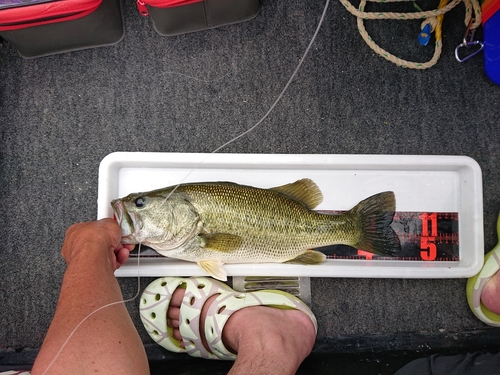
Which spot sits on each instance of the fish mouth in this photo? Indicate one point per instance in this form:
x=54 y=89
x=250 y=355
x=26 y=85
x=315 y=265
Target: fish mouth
x=124 y=221
x=117 y=210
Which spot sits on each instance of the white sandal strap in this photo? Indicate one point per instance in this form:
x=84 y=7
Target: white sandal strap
x=229 y=302
x=154 y=305
x=155 y=302
x=198 y=290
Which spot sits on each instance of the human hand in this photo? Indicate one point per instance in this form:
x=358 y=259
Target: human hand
x=96 y=241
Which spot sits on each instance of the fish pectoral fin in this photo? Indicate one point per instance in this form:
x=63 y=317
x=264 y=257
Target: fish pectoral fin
x=223 y=242
x=305 y=191
x=214 y=269
x=309 y=257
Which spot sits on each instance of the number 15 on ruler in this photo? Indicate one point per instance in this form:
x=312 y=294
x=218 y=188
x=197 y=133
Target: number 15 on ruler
x=428 y=249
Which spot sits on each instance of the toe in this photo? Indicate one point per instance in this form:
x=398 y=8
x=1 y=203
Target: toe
x=177 y=335
x=177 y=297
x=490 y=294
x=173 y=314
x=174 y=309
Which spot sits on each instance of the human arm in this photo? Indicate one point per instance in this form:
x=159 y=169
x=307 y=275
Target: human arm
x=107 y=340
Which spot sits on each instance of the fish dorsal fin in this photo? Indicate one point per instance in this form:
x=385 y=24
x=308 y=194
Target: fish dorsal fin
x=214 y=269
x=305 y=191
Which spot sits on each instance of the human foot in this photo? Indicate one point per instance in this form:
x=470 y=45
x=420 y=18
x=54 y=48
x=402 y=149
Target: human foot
x=483 y=289
x=269 y=340
x=173 y=315
x=490 y=296
x=260 y=334
x=265 y=327
x=253 y=323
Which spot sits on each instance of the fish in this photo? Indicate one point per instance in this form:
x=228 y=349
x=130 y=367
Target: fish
x=214 y=223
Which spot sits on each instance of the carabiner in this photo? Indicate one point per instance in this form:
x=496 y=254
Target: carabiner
x=469 y=42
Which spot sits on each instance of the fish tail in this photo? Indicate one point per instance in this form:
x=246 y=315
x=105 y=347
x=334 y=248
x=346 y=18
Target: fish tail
x=375 y=215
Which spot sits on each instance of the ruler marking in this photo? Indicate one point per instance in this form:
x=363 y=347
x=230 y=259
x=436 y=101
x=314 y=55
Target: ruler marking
x=424 y=237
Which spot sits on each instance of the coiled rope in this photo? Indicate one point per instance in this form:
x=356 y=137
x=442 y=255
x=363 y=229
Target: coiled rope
x=432 y=17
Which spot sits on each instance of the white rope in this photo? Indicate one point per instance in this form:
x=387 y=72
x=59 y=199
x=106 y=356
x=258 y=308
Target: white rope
x=432 y=17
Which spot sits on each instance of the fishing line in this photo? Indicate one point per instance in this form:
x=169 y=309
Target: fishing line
x=252 y=128
x=97 y=310
x=278 y=99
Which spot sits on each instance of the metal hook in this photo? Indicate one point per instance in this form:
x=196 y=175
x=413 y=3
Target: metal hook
x=469 y=42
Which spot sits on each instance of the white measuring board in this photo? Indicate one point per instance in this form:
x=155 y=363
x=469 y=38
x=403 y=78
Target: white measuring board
x=421 y=183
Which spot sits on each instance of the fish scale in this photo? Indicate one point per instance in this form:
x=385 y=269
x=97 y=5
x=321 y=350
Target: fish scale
x=221 y=222
x=296 y=221
x=263 y=205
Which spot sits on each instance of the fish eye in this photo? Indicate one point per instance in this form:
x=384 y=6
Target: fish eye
x=140 y=202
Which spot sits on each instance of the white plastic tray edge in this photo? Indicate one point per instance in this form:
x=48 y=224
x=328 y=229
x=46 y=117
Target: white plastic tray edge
x=470 y=171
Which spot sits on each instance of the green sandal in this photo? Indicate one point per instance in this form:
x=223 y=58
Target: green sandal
x=476 y=284
x=156 y=299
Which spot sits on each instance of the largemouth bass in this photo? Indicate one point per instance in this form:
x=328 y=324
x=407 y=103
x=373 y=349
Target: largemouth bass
x=222 y=222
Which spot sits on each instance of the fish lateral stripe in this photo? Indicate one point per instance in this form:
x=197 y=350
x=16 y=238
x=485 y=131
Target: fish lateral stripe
x=216 y=223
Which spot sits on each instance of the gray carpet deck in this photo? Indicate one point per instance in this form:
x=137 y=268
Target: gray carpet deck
x=60 y=115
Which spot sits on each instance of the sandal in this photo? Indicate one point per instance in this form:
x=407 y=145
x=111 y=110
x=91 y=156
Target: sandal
x=476 y=284
x=155 y=302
